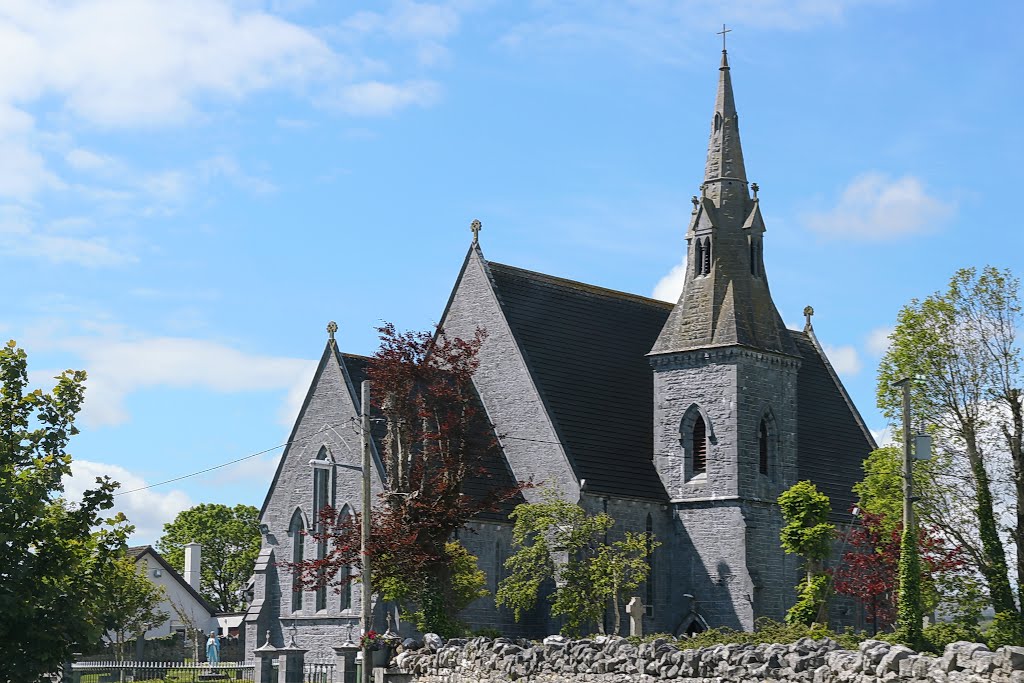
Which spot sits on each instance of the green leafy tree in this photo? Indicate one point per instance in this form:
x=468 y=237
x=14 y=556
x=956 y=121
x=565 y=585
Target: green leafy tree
x=428 y=608
x=131 y=604
x=54 y=553
x=558 y=541
x=944 y=342
x=955 y=587
x=809 y=534
x=230 y=537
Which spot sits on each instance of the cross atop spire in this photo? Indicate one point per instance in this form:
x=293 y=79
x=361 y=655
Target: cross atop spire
x=722 y=33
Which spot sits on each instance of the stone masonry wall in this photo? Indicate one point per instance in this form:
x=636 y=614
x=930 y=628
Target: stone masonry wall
x=615 y=660
x=328 y=421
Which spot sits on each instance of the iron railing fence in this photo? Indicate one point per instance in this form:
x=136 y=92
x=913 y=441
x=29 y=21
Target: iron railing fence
x=170 y=672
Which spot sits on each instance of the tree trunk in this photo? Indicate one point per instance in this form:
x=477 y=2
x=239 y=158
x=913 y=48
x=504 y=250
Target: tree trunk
x=616 y=622
x=1014 y=439
x=994 y=568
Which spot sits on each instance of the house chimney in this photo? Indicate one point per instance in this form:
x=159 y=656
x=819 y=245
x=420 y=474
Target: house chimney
x=193 y=564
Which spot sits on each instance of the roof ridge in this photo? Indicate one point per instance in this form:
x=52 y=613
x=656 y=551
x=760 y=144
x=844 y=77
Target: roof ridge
x=584 y=286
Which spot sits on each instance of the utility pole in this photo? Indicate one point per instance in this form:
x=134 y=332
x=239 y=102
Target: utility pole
x=909 y=612
x=908 y=459
x=364 y=579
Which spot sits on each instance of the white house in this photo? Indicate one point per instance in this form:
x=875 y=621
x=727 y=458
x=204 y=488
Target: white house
x=183 y=604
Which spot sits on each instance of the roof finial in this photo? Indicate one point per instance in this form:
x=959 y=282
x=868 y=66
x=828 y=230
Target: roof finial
x=476 y=226
x=332 y=327
x=808 y=312
x=722 y=33
x=755 y=187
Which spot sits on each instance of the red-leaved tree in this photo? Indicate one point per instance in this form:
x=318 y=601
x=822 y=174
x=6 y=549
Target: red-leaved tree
x=436 y=440
x=869 y=569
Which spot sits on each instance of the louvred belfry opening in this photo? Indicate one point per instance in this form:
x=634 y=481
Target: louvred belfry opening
x=700 y=446
x=763 y=444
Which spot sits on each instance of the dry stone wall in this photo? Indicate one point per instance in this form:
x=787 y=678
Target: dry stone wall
x=616 y=660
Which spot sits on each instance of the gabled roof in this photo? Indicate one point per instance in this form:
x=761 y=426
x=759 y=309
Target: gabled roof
x=832 y=439
x=136 y=553
x=586 y=349
x=349 y=364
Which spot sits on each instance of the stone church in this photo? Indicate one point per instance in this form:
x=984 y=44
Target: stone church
x=683 y=420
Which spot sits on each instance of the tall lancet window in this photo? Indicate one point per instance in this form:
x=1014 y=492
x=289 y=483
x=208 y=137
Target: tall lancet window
x=698 y=256
x=321 y=499
x=344 y=583
x=700 y=445
x=295 y=531
x=753 y=256
x=706 y=266
x=762 y=444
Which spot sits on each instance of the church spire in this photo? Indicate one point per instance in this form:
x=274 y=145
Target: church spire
x=725 y=299
x=725 y=177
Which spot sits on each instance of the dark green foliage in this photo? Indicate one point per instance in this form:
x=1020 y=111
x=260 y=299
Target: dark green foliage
x=908 y=607
x=1006 y=629
x=230 y=537
x=765 y=631
x=935 y=637
x=54 y=554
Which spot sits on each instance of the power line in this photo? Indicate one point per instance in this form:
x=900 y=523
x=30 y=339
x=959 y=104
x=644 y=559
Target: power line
x=224 y=464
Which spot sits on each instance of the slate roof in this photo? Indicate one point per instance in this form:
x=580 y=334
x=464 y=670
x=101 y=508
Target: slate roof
x=832 y=441
x=586 y=349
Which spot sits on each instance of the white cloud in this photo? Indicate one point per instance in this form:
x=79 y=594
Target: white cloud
x=878 y=340
x=145 y=62
x=148 y=510
x=119 y=367
x=876 y=207
x=258 y=471
x=670 y=287
x=86 y=160
x=21 y=237
x=844 y=359
x=884 y=436
x=657 y=30
x=374 y=98
x=227 y=167
x=408 y=20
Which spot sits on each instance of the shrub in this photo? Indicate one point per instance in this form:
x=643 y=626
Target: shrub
x=765 y=631
x=937 y=636
x=1006 y=629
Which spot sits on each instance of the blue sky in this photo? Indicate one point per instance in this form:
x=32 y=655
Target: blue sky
x=189 y=191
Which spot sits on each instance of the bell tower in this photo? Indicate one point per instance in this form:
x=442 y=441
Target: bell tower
x=725 y=370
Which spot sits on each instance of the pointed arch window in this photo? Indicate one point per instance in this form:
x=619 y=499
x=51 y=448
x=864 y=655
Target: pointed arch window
x=767 y=446
x=762 y=447
x=698 y=257
x=700 y=445
x=295 y=531
x=706 y=264
x=321 y=499
x=344 y=574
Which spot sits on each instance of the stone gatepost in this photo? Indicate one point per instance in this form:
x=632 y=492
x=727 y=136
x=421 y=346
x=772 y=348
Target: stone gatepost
x=635 y=609
x=291 y=663
x=345 y=662
x=265 y=656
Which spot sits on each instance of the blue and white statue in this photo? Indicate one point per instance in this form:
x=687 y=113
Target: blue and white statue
x=213 y=649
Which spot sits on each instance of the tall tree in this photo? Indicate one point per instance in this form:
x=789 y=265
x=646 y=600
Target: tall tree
x=808 y=533
x=940 y=342
x=992 y=305
x=131 y=604
x=230 y=537
x=437 y=438
x=54 y=553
